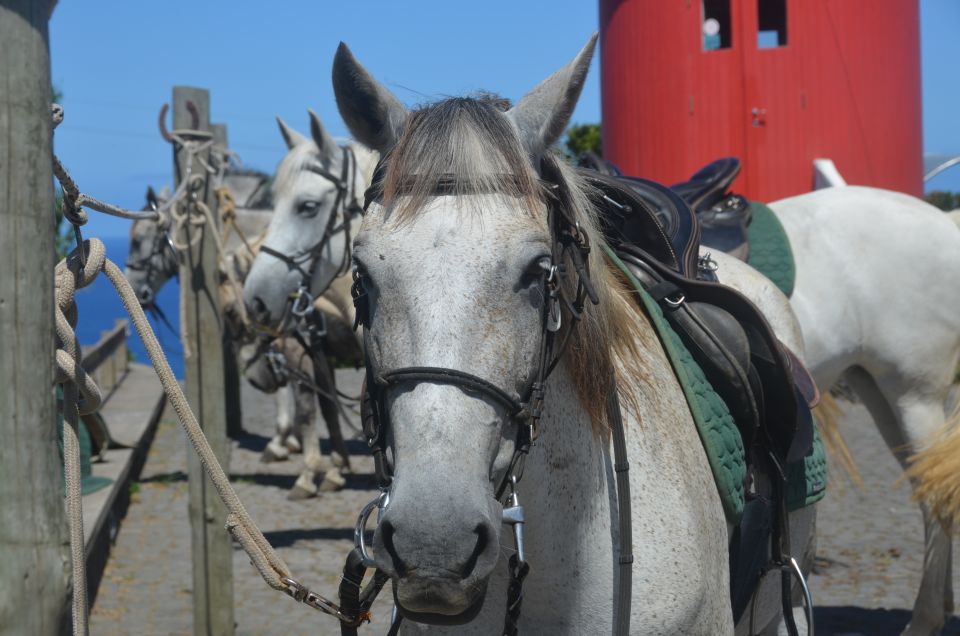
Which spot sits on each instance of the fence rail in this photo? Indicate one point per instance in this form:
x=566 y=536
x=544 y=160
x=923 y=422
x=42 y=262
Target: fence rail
x=107 y=360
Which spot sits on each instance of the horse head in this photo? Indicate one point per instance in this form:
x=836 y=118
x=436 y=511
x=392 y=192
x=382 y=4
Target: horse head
x=458 y=267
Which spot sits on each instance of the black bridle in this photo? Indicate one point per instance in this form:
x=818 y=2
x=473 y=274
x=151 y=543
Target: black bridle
x=569 y=258
x=346 y=206
x=162 y=247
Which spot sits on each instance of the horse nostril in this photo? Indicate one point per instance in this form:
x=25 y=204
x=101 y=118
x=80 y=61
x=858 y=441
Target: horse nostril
x=483 y=538
x=259 y=309
x=387 y=530
x=146 y=295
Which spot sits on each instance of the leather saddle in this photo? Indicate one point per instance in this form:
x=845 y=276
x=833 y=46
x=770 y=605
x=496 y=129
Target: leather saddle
x=767 y=389
x=723 y=216
x=657 y=235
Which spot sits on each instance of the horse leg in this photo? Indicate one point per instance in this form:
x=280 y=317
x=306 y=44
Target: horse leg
x=324 y=377
x=905 y=419
x=306 y=424
x=277 y=449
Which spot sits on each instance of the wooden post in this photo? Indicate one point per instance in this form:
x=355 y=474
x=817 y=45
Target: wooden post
x=203 y=365
x=34 y=563
x=231 y=369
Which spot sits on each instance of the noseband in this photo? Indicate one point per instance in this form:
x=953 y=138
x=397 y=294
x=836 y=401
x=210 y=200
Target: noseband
x=300 y=303
x=570 y=245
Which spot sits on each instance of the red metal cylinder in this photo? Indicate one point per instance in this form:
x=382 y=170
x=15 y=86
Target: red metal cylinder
x=842 y=82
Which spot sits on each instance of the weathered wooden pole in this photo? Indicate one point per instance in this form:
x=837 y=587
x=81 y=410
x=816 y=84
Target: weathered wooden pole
x=201 y=327
x=231 y=369
x=34 y=563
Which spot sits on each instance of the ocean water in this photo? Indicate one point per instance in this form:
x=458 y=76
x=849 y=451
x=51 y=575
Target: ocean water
x=99 y=307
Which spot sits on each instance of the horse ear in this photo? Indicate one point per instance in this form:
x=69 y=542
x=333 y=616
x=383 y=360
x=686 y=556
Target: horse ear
x=290 y=136
x=543 y=113
x=328 y=147
x=373 y=114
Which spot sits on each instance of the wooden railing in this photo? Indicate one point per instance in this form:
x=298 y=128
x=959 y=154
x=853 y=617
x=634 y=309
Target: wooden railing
x=107 y=360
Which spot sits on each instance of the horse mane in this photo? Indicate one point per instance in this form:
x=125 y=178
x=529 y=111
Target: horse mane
x=472 y=140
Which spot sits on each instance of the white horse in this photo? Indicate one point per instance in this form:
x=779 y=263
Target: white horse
x=318 y=199
x=454 y=279
x=877 y=300
x=152 y=261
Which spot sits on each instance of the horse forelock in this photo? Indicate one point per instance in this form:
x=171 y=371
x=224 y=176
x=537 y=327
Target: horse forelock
x=474 y=142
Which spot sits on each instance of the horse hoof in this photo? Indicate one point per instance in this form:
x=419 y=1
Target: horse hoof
x=299 y=494
x=332 y=481
x=293 y=444
x=270 y=455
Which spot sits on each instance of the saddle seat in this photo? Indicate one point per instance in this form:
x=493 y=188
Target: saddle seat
x=723 y=216
x=709 y=184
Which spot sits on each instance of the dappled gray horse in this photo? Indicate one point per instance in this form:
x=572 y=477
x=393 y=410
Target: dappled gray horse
x=153 y=260
x=457 y=261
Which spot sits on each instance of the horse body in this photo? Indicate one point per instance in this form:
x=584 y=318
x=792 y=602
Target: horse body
x=454 y=280
x=876 y=295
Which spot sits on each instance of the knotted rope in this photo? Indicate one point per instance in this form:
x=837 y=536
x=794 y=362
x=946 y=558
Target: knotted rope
x=81 y=396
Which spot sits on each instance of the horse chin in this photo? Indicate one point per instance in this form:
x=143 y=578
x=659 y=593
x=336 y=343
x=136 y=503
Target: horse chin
x=439 y=600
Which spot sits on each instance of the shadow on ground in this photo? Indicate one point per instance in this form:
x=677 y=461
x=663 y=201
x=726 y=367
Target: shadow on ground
x=859 y=621
x=286 y=538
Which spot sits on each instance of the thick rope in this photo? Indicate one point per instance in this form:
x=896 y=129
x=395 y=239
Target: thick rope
x=81 y=395
x=70 y=277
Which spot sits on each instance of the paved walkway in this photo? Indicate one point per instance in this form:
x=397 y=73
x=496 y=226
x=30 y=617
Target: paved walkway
x=870 y=542
x=146 y=585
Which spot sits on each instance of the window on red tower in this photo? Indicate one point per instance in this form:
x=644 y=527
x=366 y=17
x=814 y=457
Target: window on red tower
x=715 y=25
x=771 y=23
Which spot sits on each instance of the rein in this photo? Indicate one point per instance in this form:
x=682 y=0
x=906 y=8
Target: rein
x=570 y=244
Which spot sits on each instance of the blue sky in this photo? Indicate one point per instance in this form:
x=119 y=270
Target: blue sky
x=116 y=63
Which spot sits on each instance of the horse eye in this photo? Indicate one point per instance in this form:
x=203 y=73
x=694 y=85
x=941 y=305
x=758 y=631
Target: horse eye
x=535 y=271
x=308 y=208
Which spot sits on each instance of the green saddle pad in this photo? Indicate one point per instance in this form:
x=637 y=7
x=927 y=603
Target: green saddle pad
x=806 y=480
x=770 y=252
x=88 y=481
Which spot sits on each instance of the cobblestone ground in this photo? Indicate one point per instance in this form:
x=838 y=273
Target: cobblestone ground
x=146 y=585
x=869 y=543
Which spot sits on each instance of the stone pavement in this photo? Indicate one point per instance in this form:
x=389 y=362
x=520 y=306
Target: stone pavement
x=146 y=586
x=869 y=543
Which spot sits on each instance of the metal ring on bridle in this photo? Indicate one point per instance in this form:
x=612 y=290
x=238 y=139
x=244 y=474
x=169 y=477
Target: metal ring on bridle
x=380 y=502
x=302 y=303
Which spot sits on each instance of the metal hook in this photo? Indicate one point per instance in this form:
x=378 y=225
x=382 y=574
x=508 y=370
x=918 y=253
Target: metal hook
x=162 y=120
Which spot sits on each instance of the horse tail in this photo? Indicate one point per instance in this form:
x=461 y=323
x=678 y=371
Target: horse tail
x=828 y=414
x=935 y=471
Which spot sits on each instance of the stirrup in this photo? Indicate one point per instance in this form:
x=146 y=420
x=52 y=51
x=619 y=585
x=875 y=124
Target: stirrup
x=791 y=570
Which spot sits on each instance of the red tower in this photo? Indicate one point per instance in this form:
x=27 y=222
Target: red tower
x=777 y=83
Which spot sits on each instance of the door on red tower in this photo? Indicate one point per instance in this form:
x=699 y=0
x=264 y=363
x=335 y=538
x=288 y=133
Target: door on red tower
x=774 y=99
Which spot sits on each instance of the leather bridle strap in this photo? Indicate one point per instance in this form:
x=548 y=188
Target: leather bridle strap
x=621 y=468
x=346 y=204
x=460 y=379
